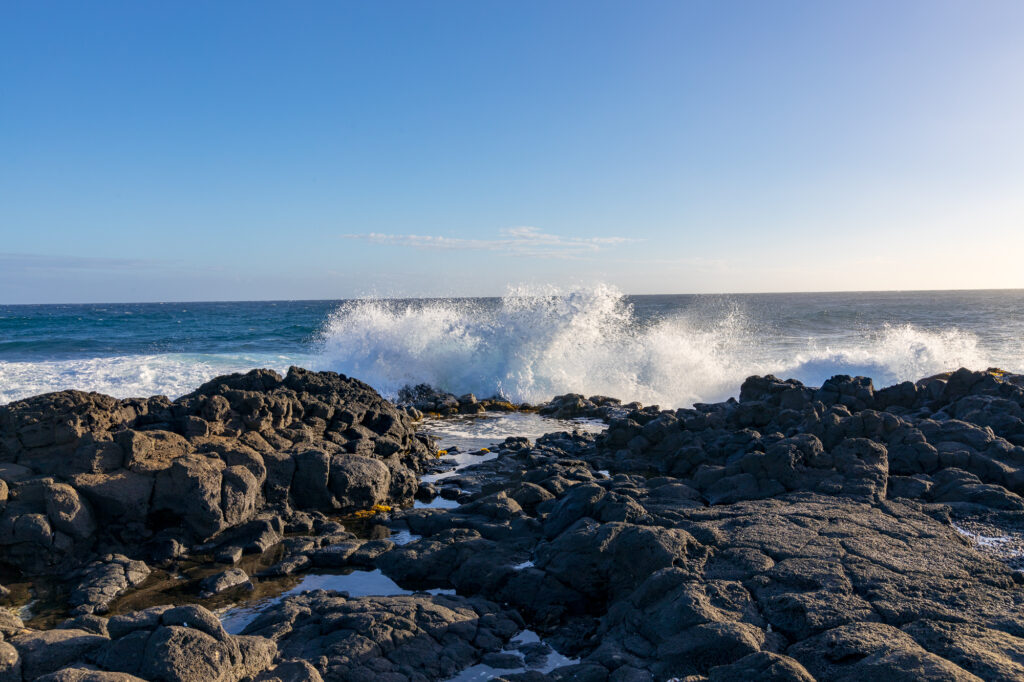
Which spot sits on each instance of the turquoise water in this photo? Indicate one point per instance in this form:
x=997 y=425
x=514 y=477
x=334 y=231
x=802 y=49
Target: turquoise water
x=529 y=345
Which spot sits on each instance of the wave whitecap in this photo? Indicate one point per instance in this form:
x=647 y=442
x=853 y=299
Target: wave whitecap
x=128 y=376
x=892 y=354
x=531 y=346
x=535 y=344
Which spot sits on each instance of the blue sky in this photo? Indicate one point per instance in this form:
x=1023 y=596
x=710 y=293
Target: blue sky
x=255 y=150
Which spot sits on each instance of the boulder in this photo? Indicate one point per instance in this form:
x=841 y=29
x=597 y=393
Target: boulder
x=116 y=496
x=10 y=663
x=69 y=513
x=762 y=665
x=190 y=490
x=240 y=495
x=86 y=673
x=358 y=482
x=309 y=483
x=872 y=650
x=186 y=654
x=99 y=583
x=47 y=651
x=223 y=581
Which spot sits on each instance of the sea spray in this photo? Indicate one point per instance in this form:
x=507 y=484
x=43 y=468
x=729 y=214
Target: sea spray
x=533 y=344
x=529 y=345
x=891 y=354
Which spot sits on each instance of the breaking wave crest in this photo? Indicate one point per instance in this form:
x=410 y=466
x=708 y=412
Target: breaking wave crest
x=534 y=344
x=891 y=355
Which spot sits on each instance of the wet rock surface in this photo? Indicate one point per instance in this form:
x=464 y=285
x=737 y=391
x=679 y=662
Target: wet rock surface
x=798 y=533
x=421 y=400
x=233 y=578
x=102 y=581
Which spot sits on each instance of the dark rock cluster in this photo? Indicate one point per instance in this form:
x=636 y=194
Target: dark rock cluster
x=423 y=399
x=574 y=405
x=83 y=471
x=415 y=637
x=163 y=643
x=796 y=533
x=956 y=439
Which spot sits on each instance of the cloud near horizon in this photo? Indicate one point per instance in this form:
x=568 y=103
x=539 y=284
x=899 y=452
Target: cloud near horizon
x=516 y=241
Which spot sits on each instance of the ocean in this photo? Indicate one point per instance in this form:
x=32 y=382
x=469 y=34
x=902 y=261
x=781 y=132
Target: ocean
x=529 y=345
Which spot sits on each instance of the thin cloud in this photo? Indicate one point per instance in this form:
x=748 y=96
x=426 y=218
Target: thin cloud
x=516 y=241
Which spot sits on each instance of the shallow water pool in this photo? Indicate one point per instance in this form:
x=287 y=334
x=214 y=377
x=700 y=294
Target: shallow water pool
x=356 y=583
x=465 y=436
x=532 y=652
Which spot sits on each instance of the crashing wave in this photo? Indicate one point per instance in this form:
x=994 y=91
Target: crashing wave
x=534 y=344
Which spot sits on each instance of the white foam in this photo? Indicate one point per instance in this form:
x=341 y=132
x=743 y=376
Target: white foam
x=992 y=542
x=170 y=374
x=893 y=354
x=534 y=345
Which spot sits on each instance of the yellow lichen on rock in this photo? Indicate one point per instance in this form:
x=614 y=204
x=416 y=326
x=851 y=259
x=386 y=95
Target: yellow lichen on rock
x=372 y=511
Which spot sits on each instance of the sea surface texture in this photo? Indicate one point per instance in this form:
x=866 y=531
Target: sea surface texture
x=529 y=345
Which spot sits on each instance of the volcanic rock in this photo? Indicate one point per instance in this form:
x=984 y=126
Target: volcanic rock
x=395 y=638
x=78 y=469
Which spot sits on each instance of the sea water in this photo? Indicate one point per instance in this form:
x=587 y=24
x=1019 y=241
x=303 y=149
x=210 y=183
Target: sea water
x=529 y=345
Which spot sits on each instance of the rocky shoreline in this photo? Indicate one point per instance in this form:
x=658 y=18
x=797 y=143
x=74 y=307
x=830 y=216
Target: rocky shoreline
x=798 y=533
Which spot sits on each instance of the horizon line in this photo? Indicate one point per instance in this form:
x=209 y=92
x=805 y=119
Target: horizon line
x=453 y=297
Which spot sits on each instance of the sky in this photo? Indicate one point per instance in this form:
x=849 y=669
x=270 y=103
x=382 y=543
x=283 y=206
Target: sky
x=156 y=151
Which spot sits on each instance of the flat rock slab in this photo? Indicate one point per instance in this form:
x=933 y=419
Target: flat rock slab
x=222 y=582
x=101 y=582
x=411 y=637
